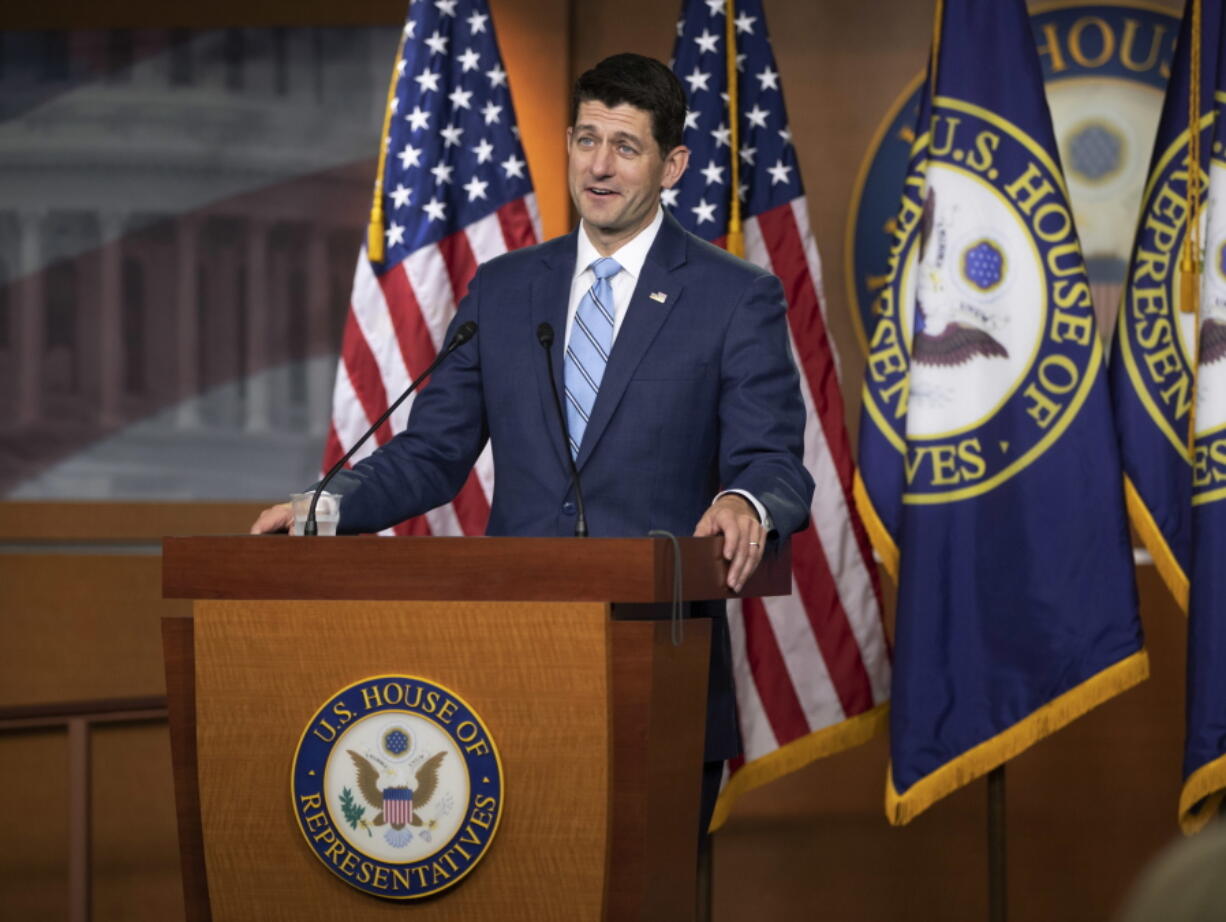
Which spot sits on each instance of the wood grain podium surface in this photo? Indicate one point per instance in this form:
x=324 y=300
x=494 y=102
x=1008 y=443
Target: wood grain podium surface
x=541 y=691
x=552 y=569
x=597 y=710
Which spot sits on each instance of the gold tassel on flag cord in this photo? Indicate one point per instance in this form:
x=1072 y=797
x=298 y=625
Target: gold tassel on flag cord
x=736 y=237
x=1190 y=263
x=374 y=230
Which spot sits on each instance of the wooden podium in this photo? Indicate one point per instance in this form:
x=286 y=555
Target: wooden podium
x=563 y=646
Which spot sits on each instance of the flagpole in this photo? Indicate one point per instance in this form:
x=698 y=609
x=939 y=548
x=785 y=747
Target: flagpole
x=938 y=14
x=736 y=238
x=997 y=877
x=374 y=227
x=997 y=871
x=1190 y=264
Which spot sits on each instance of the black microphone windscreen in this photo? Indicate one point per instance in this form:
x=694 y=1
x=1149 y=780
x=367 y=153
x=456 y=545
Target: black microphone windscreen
x=544 y=335
x=466 y=332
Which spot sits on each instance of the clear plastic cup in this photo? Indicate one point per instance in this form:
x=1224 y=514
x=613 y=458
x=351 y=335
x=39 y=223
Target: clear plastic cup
x=327 y=511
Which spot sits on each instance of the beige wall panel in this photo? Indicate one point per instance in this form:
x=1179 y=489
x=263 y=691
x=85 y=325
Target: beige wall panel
x=65 y=14
x=76 y=627
x=34 y=826
x=134 y=842
x=136 y=847
x=602 y=29
x=533 y=38
x=29 y=521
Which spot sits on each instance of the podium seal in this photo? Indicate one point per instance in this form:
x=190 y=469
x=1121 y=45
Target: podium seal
x=397 y=786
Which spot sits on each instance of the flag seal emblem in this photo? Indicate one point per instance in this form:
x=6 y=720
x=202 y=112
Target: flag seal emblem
x=1001 y=349
x=1209 y=457
x=1157 y=338
x=397 y=786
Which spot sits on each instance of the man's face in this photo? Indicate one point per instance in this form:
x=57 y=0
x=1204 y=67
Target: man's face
x=616 y=171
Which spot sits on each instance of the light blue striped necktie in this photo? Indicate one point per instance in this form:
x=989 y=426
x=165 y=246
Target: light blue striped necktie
x=587 y=352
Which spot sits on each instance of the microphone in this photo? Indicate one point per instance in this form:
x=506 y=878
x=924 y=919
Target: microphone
x=466 y=332
x=544 y=335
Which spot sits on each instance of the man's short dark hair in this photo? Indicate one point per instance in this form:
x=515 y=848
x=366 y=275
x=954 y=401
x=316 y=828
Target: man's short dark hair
x=641 y=82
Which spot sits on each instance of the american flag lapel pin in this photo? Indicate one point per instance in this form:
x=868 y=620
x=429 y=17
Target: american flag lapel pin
x=658 y=296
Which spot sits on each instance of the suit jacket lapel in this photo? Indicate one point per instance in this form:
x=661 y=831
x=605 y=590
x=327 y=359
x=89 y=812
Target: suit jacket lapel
x=550 y=296
x=644 y=317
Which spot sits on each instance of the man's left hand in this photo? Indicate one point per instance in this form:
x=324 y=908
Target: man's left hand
x=733 y=517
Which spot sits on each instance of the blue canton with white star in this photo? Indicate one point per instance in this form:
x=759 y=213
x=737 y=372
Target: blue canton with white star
x=769 y=175
x=453 y=149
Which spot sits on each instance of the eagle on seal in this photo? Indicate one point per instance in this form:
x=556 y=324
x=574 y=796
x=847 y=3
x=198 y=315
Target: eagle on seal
x=390 y=793
x=1212 y=341
x=943 y=337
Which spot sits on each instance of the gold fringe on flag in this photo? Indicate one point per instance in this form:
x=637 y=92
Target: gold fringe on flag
x=1168 y=567
x=1190 y=263
x=960 y=771
x=374 y=230
x=845 y=734
x=736 y=237
x=1201 y=797
x=878 y=534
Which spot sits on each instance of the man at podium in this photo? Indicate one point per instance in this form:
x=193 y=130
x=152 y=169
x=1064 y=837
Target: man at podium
x=682 y=403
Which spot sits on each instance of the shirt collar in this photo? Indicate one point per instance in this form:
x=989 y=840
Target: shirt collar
x=630 y=255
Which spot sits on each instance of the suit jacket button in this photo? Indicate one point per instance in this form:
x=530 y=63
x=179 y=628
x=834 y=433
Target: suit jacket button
x=568 y=507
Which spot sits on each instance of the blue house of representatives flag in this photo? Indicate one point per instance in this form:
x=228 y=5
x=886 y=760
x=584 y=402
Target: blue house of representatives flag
x=1205 y=749
x=1153 y=360
x=991 y=464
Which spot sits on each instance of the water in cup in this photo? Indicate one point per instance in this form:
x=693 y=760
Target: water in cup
x=327 y=511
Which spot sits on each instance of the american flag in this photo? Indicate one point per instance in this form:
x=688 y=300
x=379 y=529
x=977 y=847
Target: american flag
x=812 y=669
x=455 y=191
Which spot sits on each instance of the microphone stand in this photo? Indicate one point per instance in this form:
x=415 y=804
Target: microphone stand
x=544 y=335
x=466 y=332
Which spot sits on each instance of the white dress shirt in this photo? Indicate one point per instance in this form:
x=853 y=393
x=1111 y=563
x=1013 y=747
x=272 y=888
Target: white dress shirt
x=630 y=256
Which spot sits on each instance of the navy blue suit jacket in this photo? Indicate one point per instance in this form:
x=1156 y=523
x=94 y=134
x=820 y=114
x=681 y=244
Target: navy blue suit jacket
x=700 y=393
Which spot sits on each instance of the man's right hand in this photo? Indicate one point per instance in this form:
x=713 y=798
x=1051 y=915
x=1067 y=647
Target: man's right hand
x=275 y=518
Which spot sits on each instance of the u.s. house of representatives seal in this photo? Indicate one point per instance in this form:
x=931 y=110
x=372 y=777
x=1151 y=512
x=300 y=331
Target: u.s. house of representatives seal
x=397 y=786
x=1161 y=342
x=999 y=363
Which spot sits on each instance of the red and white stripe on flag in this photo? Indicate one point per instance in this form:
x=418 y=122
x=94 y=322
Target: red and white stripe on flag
x=398 y=810
x=812 y=668
x=395 y=327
